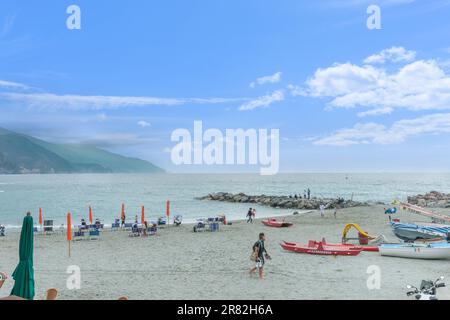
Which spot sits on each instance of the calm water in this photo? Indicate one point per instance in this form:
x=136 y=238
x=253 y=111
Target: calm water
x=59 y=194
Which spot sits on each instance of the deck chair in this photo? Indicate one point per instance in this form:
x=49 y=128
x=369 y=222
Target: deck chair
x=94 y=235
x=48 y=227
x=51 y=294
x=78 y=236
x=135 y=231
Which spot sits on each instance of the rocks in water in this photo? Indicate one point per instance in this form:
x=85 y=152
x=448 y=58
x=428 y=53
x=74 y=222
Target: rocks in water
x=433 y=199
x=284 y=202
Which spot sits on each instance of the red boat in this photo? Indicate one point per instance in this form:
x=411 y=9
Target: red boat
x=277 y=224
x=348 y=245
x=318 y=247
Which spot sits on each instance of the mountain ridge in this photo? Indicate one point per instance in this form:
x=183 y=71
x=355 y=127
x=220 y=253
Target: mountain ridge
x=21 y=154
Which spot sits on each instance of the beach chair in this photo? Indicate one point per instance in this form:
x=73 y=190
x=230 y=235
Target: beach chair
x=94 y=234
x=152 y=229
x=128 y=226
x=48 y=227
x=135 y=231
x=78 y=235
x=51 y=294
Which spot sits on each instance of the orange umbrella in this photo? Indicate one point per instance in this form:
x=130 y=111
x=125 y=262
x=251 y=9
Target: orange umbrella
x=122 y=216
x=90 y=215
x=69 y=227
x=168 y=210
x=40 y=216
x=69 y=230
x=143 y=215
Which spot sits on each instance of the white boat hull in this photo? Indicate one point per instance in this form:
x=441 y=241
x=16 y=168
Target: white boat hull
x=416 y=252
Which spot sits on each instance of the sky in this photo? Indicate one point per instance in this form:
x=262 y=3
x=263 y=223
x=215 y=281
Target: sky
x=344 y=97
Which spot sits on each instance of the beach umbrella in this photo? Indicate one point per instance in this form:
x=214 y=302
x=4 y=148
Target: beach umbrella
x=69 y=230
x=90 y=215
x=23 y=275
x=122 y=216
x=143 y=215
x=168 y=210
x=40 y=216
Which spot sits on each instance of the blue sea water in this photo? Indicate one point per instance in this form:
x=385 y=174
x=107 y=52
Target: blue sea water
x=59 y=194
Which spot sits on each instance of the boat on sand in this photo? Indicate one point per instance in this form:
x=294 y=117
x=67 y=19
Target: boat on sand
x=276 y=224
x=431 y=251
x=321 y=248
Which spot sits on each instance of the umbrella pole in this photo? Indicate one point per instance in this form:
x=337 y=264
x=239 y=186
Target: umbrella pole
x=69 y=249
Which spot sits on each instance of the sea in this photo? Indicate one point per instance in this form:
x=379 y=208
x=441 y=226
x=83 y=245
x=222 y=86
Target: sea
x=59 y=194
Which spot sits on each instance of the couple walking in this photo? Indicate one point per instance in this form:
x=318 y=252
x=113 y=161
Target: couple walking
x=251 y=214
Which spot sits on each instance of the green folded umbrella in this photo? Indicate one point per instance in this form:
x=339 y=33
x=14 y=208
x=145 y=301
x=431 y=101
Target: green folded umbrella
x=24 y=273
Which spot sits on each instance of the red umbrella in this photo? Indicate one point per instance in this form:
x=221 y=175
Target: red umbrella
x=40 y=216
x=143 y=215
x=168 y=211
x=69 y=230
x=122 y=216
x=90 y=215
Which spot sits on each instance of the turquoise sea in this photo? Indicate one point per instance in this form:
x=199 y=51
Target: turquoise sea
x=59 y=194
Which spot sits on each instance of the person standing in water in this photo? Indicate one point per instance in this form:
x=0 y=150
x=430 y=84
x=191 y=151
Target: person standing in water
x=259 y=254
x=309 y=193
x=254 y=213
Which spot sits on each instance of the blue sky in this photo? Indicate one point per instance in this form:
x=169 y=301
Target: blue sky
x=344 y=97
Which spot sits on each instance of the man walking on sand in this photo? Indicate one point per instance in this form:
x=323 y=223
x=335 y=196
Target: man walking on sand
x=259 y=255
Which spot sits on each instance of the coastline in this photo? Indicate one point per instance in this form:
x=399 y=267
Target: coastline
x=215 y=265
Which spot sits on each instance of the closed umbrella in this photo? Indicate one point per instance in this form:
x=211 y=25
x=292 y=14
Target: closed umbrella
x=23 y=275
x=90 y=215
x=143 y=215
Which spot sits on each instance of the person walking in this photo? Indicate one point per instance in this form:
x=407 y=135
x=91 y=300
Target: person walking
x=259 y=254
x=309 y=193
x=250 y=215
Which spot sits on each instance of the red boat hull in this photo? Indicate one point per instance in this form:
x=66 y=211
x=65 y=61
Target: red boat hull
x=319 y=248
x=277 y=224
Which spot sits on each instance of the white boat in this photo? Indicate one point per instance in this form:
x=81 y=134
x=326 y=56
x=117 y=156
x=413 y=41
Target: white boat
x=436 y=251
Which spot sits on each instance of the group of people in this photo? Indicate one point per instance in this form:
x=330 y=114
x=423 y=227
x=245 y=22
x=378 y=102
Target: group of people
x=251 y=214
x=2 y=230
x=306 y=195
x=97 y=224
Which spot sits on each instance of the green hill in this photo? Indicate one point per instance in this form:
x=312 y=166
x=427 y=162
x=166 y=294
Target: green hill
x=24 y=154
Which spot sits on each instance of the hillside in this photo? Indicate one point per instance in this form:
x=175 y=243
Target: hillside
x=24 y=154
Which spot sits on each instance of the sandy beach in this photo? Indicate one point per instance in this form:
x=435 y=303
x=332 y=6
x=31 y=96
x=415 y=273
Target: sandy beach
x=180 y=264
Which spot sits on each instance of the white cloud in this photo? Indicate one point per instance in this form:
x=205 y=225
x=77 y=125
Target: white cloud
x=394 y=54
x=143 y=124
x=275 y=78
x=79 y=102
x=373 y=133
x=419 y=85
x=263 y=101
x=12 y=85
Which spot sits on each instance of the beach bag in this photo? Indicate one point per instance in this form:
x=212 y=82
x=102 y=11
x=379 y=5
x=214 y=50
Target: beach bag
x=254 y=256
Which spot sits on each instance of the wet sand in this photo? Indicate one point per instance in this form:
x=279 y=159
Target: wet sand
x=181 y=264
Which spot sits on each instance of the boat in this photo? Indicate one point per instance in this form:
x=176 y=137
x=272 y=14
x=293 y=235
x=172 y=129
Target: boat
x=431 y=251
x=413 y=232
x=276 y=224
x=320 y=248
